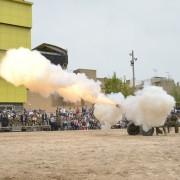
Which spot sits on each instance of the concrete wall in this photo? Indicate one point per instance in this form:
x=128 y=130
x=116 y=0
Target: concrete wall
x=36 y=101
x=50 y=104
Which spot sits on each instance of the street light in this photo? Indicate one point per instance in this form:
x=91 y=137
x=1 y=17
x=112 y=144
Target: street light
x=132 y=64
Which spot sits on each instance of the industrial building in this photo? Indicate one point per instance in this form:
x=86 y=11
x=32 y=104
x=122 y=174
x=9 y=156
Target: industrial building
x=55 y=54
x=15 y=32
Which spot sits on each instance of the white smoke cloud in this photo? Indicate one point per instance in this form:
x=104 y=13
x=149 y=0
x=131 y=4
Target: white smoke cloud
x=110 y=114
x=31 y=69
x=149 y=107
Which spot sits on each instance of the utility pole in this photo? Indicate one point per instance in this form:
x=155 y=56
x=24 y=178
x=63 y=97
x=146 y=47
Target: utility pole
x=133 y=59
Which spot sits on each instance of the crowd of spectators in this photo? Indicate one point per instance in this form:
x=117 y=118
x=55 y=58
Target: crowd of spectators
x=24 y=118
x=63 y=119
x=77 y=118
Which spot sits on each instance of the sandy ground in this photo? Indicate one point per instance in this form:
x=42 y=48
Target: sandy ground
x=80 y=155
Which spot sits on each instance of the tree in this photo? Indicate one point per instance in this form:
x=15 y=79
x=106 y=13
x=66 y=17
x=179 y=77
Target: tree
x=115 y=85
x=175 y=92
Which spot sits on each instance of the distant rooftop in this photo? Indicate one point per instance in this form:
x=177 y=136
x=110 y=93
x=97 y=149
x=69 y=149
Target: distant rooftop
x=55 y=54
x=50 y=48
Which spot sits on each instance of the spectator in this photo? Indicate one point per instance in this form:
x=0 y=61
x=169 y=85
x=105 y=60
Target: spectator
x=53 y=123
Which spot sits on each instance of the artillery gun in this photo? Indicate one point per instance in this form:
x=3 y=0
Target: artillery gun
x=172 y=121
x=133 y=129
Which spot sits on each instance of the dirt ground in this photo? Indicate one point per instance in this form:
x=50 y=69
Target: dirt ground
x=81 y=155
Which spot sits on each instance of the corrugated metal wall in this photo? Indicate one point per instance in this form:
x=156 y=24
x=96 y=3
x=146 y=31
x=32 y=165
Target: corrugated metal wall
x=15 y=31
x=14 y=37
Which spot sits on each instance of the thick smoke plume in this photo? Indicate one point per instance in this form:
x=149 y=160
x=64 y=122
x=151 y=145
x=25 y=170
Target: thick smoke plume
x=149 y=107
x=35 y=72
x=110 y=114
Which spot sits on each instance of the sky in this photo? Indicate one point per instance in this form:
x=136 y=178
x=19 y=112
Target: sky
x=100 y=34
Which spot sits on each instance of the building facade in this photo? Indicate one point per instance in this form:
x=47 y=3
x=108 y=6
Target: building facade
x=90 y=73
x=15 y=32
x=166 y=83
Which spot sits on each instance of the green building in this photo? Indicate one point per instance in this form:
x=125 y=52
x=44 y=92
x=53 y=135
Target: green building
x=15 y=32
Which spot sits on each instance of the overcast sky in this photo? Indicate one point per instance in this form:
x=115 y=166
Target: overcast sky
x=99 y=34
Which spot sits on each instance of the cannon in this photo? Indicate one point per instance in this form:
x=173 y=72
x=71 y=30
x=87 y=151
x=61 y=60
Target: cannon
x=171 y=121
x=133 y=129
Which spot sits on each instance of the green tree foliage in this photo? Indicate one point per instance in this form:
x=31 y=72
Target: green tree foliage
x=175 y=92
x=115 y=85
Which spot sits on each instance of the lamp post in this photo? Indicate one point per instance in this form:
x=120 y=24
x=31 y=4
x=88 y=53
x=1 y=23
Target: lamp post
x=132 y=61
